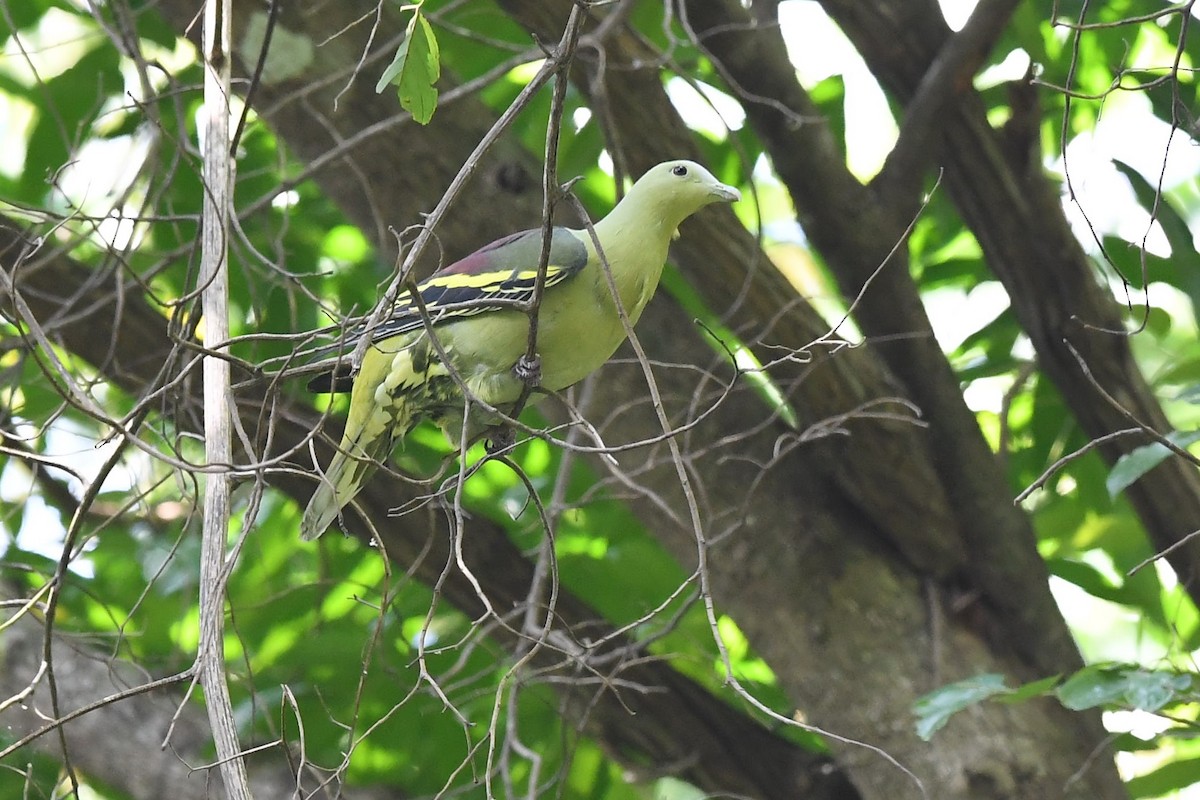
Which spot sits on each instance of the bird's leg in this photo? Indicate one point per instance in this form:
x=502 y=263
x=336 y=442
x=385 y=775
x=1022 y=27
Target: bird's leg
x=529 y=370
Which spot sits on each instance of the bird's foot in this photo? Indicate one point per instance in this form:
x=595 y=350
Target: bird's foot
x=499 y=439
x=529 y=370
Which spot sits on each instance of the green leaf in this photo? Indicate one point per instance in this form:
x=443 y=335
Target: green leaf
x=72 y=95
x=1168 y=778
x=23 y=15
x=1101 y=685
x=415 y=70
x=1086 y=577
x=1030 y=690
x=1092 y=686
x=1150 y=691
x=935 y=709
x=1136 y=265
x=1136 y=463
x=830 y=96
x=1128 y=743
x=1184 y=261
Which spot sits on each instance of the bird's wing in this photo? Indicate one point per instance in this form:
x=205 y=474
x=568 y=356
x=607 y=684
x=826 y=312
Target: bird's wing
x=504 y=271
x=495 y=276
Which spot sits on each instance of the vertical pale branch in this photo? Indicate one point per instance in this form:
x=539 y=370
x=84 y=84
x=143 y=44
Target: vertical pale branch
x=214 y=279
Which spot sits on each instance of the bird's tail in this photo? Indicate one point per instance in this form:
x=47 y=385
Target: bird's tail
x=349 y=470
x=371 y=431
x=387 y=400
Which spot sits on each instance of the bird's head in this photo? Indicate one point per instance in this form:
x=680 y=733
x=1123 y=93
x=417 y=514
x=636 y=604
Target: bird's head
x=674 y=190
x=686 y=183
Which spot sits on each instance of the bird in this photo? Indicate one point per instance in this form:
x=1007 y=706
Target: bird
x=405 y=377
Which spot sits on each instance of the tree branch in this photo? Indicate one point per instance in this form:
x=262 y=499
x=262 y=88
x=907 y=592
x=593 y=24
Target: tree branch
x=949 y=75
x=218 y=449
x=1017 y=217
x=1005 y=566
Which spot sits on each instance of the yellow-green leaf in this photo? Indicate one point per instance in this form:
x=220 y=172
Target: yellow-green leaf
x=415 y=70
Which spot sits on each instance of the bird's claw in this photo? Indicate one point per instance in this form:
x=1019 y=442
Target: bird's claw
x=529 y=370
x=499 y=439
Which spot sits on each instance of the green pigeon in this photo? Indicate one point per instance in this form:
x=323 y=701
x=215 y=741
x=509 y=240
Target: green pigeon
x=403 y=379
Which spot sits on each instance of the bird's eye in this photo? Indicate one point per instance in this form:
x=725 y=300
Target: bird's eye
x=679 y=170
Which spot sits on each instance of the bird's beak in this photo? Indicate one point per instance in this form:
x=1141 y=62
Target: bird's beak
x=726 y=193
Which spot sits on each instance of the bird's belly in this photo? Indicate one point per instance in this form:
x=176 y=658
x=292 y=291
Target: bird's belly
x=572 y=343
x=483 y=349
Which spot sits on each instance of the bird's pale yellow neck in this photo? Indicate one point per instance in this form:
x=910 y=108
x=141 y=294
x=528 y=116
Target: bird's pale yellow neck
x=636 y=237
x=647 y=212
